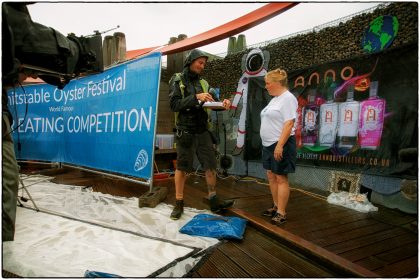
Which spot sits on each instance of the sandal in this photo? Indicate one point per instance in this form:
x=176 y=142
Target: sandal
x=278 y=219
x=270 y=212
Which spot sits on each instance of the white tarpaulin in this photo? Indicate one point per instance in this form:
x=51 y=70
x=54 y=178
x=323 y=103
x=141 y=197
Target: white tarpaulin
x=101 y=233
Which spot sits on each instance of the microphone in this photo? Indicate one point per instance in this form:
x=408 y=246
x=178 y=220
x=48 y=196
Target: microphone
x=213 y=93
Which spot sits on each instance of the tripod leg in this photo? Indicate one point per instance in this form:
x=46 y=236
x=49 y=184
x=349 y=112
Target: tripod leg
x=30 y=197
x=20 y=203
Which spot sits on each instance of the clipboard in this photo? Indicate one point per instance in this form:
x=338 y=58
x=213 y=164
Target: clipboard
x=216 y=106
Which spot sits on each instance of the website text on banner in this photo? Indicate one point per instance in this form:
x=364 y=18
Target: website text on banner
x=104 y=121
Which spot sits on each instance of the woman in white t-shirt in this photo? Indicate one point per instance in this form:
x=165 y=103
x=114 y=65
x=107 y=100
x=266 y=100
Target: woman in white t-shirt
x=279 y=144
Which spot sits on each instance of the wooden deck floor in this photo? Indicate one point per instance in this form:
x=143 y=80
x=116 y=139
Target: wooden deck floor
x=326 y=240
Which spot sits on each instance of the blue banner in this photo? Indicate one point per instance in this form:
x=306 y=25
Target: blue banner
x=104 y=121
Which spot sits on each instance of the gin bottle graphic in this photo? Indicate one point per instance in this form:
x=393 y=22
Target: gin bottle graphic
x=310 y=121
x=371 y=119
x=328 y=121
x=348 y=121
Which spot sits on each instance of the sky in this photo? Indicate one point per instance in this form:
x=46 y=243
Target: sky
x=152 y=24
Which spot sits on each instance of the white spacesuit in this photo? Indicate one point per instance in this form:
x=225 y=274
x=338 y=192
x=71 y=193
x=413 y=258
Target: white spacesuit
x=254 y=64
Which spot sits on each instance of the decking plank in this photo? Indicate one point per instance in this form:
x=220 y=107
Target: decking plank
x=226 y=266
x=208 y=269
x=349 y=235
x=253 y=268
x=339 y=229
x=388 y=246
x=371 y=263
x=393 y=216
x=279 y=251
x=276 y=266
x=241 y=259
x=400 y=269
x=217 y=265
x=323 y=223
x=364 y=241
x=399 y=253
x=305 y=246
x=252 y=203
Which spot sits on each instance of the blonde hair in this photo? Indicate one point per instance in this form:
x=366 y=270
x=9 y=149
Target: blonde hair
x=278 y=76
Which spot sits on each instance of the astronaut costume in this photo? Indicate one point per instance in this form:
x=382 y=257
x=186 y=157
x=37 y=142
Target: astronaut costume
x=254 y=64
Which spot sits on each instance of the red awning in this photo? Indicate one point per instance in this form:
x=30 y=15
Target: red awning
x=139 y=52
x=221 y=32
x=229 y=29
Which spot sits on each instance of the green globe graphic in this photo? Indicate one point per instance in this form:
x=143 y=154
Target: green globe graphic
x=380 y=34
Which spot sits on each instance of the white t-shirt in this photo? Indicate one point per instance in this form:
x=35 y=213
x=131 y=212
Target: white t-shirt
x=279 y=110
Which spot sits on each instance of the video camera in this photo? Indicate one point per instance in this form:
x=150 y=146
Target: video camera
x=40 y=51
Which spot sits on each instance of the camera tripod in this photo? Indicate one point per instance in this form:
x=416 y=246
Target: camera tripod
x=24 y=188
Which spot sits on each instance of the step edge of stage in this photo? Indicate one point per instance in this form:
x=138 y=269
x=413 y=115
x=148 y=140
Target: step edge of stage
x=305 y=245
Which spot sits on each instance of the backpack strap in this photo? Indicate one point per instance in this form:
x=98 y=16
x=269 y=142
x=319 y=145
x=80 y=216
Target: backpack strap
x=204 y=85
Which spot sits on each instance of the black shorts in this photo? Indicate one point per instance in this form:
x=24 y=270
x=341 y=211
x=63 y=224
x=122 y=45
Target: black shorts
x=284 y=166
x=201 y=145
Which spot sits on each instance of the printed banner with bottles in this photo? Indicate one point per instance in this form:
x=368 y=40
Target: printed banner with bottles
x=359 y=114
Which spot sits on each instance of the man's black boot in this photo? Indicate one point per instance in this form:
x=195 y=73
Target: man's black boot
x=178 y=210
x=216 y=206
